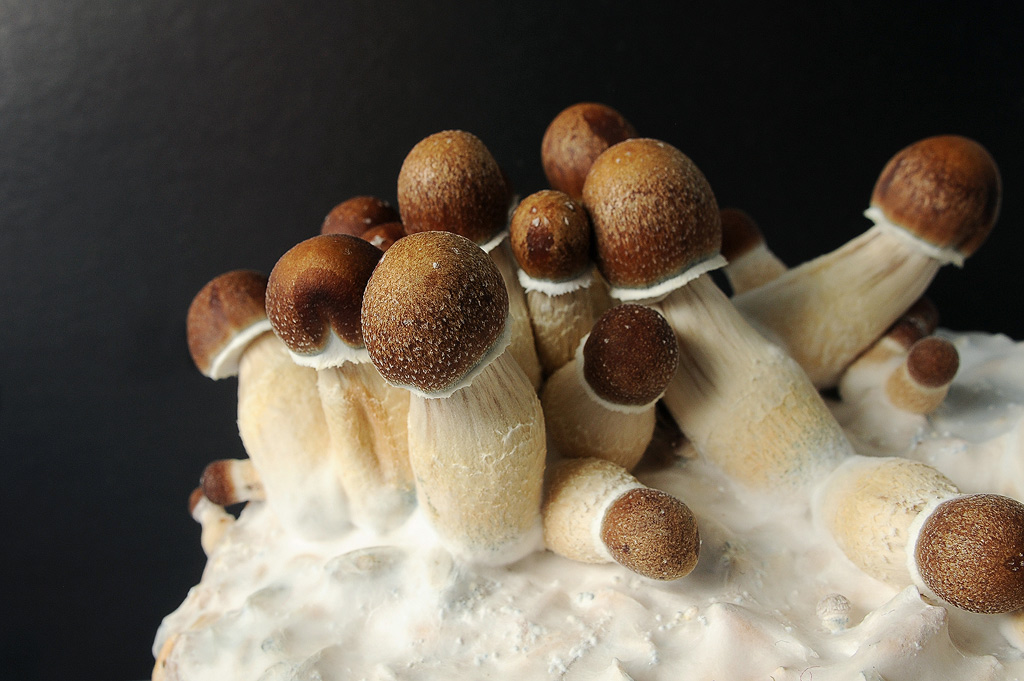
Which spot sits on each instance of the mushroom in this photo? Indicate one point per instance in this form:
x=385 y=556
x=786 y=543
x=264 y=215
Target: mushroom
x=212 y=517
x=920 y=383
x=750 y=262
x=232 y=481
x=280 y=419
x=903 y=522
x=934 y=203
x=434 y=321
x=602 y=403
x=384 y=234
x=596 y=512
x=450 y=182
x=314 y=300
x=575 y=138
x=550 y=238
x=743 y=403
x=358 y=214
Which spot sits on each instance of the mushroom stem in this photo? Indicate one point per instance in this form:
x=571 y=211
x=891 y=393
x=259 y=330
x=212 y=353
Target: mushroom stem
x=750 y=262
x=560 y=322
x=478 y=458
x=522 y=347
x=742 y=401
x=596 y=512
x=921 y=381
x=232 y=481
x=213 y=519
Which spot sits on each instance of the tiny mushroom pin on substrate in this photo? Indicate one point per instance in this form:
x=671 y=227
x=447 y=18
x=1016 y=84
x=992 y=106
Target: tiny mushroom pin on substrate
x=314 y=302
x=934 y=203
x=435 y=322
x=602 y=403
x=449 y=181
x=280 y=419
x=742 y=402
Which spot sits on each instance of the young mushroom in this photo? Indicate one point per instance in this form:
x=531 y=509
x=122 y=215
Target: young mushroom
x=384 y=234
x=575 y=138
x=232 y=481
x=602 y=403
x=358 y=214
x=934 y=203
x=750 y=263
x=550 y=238
x=212 y=518
x=434 y=321
x=450 y=182
x=280 y=419
x=743 y=403
x=596 y=512
x=903 y=522
x=314 y=302
x=921 y=381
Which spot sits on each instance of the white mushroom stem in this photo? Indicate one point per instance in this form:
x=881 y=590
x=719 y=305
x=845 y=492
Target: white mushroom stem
x=560 y=318
x=742 y=401
x=478 y=458
x=827 y=311
x=869 y=504
x=596 y=512
x=755 y=268
x=522 y=348
x=581 y=424
x=368 y=425
x=282 y=425
x=232 y=481
x=213 y=519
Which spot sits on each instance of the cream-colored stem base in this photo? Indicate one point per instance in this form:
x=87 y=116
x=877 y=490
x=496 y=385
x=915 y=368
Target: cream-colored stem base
x=742 y=402
x=754 y=268
x=478 y=458
x=523 y=347
x=827 y=311
x=282 y=425
x=371 y=461
x=559 y=323
x=580 y=427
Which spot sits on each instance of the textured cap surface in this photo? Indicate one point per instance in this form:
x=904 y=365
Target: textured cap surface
x=933 y=362
x=575 y=138
x=358 y=214
x=945 y=190
x=652 y=533
x=653 y=212
x=226 y=306
x=433 y=309
x=550 y=236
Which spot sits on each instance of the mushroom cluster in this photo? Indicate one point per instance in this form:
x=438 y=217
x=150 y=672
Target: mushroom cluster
x=496 y=366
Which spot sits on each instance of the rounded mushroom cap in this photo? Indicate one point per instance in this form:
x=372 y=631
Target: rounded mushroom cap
x=630 y=355
x=933 y=362
x=384 y=235
x=356 y=215
x=575 y=138
x=450 y=182
x=740 y=234
x=653 y=212
x=434 y=312
x=652 y=533
x=970 y=552
x=550 y=236
x=315 y=295
x=224 y=317
x=945 y=190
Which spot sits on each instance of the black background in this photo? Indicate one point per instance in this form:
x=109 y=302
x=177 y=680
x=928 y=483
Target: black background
x=147 y=146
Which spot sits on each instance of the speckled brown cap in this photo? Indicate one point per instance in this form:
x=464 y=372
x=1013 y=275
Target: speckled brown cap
x=630 y=355
x=384 y=235
x=944 y=190
x=316 y=288
x=653 y=212
x=224 y=308
x=450 y=182
x=933 y=362
x=652 y=533
x=356 y=215
x=740 y=234
x=575 y=138
x=433 y=310
x=970 y=552
x=550 y=236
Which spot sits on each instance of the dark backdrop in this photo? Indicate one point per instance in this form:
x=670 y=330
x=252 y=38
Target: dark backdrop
x=147 y=146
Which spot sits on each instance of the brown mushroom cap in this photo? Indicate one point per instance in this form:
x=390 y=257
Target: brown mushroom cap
x=652 y=533
x=224 y=311
x=449 y=181
x=575 y=138
x=434 y=310
x=356 y=215
x=970 y=552
x=933 y=362
x=944 y=190
x=653 y=212
x=740 y=234
x=550 y=236
x=384 y=235
x=630 y=355
x=315 y=291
